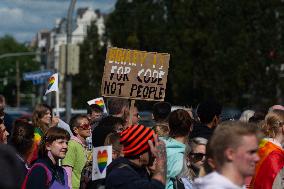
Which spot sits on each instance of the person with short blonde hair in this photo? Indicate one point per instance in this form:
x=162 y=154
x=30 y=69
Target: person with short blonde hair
x=234 y=146
x=113 y=140
x=197 y=154
x=246 y=115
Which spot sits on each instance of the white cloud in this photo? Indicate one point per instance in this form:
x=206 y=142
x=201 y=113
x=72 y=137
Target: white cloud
x=22 y=36
x=22 y=18
x=10 y=11
x=12 y=18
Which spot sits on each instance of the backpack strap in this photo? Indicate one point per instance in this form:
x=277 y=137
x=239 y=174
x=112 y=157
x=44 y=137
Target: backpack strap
x=48 y=174
x=177 y=183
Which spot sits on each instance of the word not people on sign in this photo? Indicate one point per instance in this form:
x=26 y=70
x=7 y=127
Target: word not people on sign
x=135 y=74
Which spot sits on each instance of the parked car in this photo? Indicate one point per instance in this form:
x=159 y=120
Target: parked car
x=16 y=113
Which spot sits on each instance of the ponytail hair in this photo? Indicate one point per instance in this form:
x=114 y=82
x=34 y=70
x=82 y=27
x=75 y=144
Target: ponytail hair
x=272 y=122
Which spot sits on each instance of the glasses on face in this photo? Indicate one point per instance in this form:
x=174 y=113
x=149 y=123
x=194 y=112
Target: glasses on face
x=197 y=156
x=85 y=126
x=1 y=121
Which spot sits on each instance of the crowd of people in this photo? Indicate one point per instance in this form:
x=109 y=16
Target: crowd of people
x=185 y=149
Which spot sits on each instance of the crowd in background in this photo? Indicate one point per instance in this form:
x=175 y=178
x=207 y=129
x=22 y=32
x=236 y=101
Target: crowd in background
x=185 y=149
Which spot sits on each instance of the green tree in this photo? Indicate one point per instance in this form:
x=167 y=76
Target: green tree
x=86 y=85
x=230 y=50
x=8 y=69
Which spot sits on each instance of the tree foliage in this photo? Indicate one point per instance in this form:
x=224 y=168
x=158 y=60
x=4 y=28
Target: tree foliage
x=8 y=69
x=231 y=50
x=86 y=85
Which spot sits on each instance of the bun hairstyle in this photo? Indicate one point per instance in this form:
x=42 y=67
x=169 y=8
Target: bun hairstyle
x=272 y=122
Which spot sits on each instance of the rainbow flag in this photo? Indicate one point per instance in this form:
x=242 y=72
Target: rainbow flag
x=100 y=102
x=270 y=164
x=37 y=139
x=52 y=83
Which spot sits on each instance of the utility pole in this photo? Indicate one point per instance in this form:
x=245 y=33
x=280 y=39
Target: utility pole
x=18 y=82
x=68 y=77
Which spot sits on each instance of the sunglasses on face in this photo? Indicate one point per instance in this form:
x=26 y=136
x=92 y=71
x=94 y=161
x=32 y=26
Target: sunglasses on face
x=197 y=156
x=1 y=121
x=85 y=126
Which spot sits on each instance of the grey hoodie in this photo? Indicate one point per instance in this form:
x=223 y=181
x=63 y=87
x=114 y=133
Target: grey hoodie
x=214 y=181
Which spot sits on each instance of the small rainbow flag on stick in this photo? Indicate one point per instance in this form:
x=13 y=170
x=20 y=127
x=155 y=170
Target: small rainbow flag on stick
x=52 y=83
x=98 y=101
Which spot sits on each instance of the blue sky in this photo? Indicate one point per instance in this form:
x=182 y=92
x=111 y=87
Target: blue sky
x=23 y=18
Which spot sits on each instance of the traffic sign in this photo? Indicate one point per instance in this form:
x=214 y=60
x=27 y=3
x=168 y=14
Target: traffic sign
x=38 y=77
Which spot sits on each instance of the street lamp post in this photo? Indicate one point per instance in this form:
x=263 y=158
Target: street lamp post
x=68 y=77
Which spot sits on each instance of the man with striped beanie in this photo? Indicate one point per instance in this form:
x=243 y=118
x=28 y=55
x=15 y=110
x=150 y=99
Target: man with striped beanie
x=141 y=147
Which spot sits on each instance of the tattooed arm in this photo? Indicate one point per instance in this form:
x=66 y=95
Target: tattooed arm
x=159 y=151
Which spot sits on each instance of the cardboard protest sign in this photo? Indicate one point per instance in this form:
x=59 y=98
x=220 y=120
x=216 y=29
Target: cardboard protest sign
x=100 y=102
x=102 y=157
x=135 y=74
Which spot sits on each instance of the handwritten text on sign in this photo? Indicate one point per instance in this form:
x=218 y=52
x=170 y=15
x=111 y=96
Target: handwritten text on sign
x=135 y=74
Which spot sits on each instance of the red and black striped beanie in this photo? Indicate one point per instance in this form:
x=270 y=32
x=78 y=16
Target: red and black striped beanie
x=135 y=140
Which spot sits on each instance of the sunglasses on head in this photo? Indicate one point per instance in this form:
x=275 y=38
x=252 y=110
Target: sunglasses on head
x=85 y=126
x=197 y=156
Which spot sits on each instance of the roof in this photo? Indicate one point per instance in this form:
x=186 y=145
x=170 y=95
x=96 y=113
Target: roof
x=81 y=11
